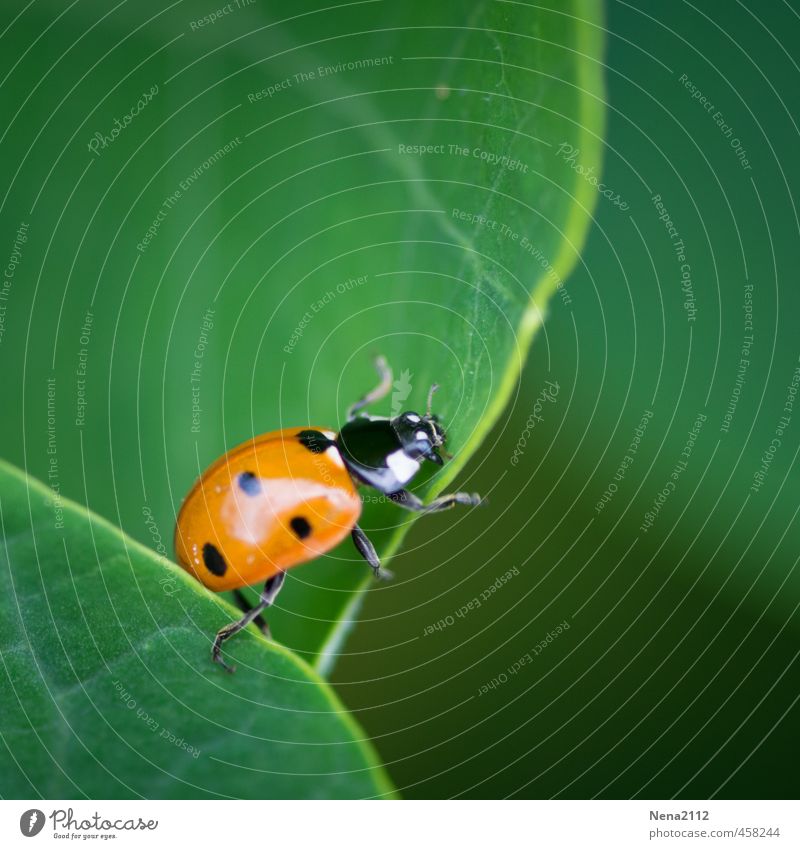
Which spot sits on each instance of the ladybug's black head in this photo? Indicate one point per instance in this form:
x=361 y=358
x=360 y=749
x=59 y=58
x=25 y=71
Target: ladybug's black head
x=419 y=435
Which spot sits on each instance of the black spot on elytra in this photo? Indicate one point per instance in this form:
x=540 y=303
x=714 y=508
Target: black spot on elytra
x=300 y=526
x=315 y=441
x=214 y=561
x=249 y=483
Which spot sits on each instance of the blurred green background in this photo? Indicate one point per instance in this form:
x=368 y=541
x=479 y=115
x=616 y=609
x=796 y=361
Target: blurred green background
x=677 y=674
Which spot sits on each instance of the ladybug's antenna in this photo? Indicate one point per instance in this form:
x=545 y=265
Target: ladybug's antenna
x=431 y=392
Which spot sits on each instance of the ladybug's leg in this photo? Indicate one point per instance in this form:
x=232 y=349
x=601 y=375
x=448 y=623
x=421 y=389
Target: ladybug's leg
x=367 y=550
x=380 y=391
x=244 y=605
x=271 y=589
x=407 y=499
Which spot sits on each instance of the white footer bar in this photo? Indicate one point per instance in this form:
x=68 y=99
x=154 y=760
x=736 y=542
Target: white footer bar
x=402 y=825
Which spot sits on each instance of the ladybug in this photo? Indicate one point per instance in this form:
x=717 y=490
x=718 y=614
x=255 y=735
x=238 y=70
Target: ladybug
x=288 y=496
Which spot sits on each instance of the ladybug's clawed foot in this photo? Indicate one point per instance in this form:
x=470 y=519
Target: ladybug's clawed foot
x=271 y=589
x=216 y=651
x=409 y=501
x=468 y=499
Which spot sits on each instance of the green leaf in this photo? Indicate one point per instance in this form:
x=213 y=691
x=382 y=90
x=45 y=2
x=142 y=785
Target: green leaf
x=305 y=232
x=108 y=690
